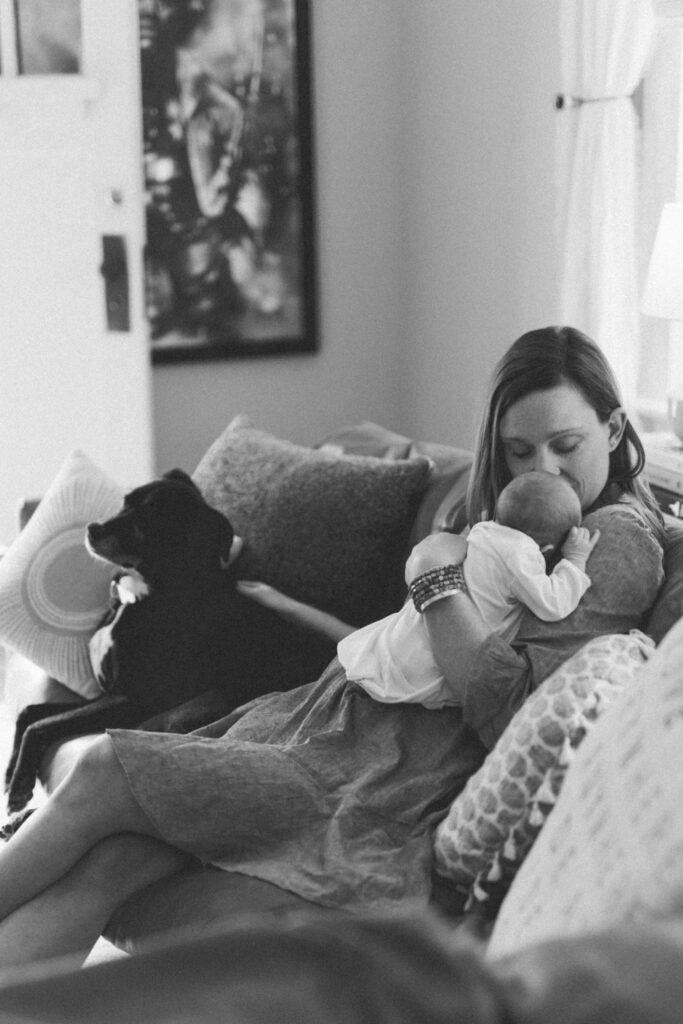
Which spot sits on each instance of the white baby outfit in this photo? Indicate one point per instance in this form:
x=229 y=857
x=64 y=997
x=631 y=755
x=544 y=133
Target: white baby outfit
x=505 y=572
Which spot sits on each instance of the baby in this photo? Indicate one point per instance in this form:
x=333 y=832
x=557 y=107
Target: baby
x=505 y=571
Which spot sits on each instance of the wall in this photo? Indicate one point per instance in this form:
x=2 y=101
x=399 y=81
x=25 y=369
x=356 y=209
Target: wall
x=484 y=258
x=434 y=137
x=355 y=375
x=435 y=169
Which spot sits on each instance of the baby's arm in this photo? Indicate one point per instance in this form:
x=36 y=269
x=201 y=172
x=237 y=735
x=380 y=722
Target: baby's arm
x=554 y=597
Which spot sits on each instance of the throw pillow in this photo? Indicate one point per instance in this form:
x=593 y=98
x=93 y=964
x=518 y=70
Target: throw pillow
x=325 y=528
x=443 y=507
x=53 y=593
x=493 y=823
x=611 y=854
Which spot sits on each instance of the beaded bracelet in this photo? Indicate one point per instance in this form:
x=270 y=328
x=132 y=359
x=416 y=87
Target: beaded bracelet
x=435 y=584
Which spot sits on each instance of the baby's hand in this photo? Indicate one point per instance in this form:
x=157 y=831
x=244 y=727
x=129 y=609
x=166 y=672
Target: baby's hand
x=579 y=544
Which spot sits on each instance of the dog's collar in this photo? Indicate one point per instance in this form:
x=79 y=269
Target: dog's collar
x=128 y=589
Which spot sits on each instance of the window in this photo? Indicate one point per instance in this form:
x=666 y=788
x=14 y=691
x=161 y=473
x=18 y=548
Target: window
x=659 y=102
x=40 y=37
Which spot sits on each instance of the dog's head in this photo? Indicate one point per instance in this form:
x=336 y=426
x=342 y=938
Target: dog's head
x=164 y=531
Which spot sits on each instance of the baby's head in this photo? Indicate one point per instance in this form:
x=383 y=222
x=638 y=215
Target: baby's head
x=542 y=505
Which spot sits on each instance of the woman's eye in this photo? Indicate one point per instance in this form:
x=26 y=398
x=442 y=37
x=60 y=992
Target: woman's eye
x=567 y=449
x=519 y=453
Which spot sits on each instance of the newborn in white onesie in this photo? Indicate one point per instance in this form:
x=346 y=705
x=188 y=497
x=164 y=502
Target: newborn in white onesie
x=505 y=571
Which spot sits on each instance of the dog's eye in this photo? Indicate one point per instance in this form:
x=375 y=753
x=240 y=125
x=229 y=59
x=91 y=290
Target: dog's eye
x=138 y=533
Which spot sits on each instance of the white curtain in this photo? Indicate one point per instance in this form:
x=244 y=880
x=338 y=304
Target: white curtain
x=605 y=45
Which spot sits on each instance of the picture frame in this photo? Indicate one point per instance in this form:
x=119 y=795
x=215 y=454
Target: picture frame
x=229 y=185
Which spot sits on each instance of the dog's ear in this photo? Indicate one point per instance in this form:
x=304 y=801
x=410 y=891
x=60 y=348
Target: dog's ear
x=181 y=476
x=210 y=541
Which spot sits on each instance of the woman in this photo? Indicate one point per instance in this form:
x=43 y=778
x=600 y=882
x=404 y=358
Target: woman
x=322 y=790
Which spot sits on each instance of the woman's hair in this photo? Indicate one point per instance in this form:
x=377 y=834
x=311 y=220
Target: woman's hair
x=537 y=361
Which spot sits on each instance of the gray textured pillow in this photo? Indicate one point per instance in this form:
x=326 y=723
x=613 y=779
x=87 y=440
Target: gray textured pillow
x=325 y=528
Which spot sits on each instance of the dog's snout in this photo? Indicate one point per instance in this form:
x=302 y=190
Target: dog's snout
x=94 y=531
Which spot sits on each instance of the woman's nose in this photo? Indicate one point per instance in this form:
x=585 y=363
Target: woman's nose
x=546 y=462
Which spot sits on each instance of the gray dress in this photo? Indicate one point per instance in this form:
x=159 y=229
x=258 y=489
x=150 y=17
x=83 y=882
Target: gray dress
x=334 y=796
x=322 y=790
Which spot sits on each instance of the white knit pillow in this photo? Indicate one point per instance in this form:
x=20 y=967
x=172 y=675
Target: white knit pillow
x=53 y=593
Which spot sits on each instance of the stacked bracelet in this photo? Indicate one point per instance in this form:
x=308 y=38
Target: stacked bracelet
x=435 y=584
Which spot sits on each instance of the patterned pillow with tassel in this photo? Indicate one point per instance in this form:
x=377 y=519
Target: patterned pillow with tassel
x=493 y=823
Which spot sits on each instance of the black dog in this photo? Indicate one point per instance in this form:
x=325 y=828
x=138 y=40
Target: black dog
x=189 y=651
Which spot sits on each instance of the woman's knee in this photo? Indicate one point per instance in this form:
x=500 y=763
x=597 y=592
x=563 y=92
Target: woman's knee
x=98 y=788
x=95 y=766
x=125 y=863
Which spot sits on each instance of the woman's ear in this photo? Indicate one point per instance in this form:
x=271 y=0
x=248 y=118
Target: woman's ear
x=616 y=426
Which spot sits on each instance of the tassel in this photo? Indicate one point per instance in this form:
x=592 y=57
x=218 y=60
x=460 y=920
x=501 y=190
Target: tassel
x=566 y=753
x=495 y=873
x=537 y=817
x=479 y=894
x=510 y=848
x=545 y=794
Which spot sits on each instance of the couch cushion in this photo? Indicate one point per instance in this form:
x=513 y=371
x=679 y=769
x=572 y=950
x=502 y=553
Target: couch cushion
x=668 y=608
x=53 y=592
x=442 y=506
x=611 y=852
x=493 y=823
x=325 y=528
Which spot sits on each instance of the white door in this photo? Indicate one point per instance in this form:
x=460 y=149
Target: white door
x=70 y=174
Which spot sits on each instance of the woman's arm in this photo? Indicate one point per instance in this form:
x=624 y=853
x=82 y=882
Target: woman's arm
x=300 y=614
x=456 y=634
x=455 y=628
x=626 y=573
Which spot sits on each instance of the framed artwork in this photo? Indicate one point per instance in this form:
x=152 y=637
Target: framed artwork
x=229 y=260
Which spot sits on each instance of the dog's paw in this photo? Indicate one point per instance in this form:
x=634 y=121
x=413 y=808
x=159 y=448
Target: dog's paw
x=19 y=792
x=14 y=823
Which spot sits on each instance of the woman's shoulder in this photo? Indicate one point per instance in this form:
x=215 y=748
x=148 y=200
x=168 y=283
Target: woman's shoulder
x=629 y=553
x=624 y=511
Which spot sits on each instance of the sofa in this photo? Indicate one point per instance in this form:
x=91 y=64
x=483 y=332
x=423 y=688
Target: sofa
x=536 y=874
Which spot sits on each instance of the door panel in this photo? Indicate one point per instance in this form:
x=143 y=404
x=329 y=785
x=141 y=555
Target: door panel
x=70 y=174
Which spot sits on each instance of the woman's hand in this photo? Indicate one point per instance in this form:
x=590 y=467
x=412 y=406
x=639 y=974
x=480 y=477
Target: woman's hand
x=435 y=550
x=303 y=615
x=266 y=595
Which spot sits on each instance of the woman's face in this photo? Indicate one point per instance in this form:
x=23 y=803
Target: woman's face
x=558 y=431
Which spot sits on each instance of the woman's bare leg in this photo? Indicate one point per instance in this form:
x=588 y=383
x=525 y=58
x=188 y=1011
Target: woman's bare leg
x=93 y=802
x=68 y=917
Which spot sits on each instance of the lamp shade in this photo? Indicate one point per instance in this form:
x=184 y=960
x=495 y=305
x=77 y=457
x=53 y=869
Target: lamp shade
x=663 y=292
